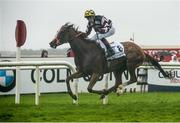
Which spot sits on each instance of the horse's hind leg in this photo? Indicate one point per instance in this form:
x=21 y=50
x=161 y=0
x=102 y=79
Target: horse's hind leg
x=132 y=73
x=118 y=79
x=132 y=64
x=133 y=77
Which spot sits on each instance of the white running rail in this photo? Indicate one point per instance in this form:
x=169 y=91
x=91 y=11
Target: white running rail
x=38 y=65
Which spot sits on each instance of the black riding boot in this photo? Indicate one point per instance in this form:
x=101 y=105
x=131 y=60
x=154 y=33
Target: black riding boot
x=110 y=51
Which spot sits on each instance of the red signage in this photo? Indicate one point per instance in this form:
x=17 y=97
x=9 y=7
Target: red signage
x=20 y=33
x=164 y=55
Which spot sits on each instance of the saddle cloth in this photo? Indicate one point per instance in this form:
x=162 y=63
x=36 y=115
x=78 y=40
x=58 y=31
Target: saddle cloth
x=117 y=47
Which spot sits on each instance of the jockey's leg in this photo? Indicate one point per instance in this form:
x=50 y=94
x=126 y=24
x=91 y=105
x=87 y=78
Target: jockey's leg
x=103 y=37
x=98 y=37
x=110 y=51
x=95 y=37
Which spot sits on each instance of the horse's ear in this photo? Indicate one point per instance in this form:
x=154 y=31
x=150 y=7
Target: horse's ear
x=77 y=29
x=66 y=24
x=70 y=26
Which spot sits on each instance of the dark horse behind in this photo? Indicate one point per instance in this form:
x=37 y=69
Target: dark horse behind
x=90 y=60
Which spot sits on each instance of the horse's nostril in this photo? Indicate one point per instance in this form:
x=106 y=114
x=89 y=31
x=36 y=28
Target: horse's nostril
x=54 y=46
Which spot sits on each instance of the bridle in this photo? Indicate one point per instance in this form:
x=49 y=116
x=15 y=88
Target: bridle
x=58 y=40
x=77 y=35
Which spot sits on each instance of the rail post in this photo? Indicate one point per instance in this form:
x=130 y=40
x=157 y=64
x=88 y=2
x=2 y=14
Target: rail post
x=105 y=100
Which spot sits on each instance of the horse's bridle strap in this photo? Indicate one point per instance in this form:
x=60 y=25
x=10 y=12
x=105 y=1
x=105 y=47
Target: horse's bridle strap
x=76 y=36
x=79 y=34
x=57 y=41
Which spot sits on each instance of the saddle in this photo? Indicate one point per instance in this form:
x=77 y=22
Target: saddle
x=117 y=47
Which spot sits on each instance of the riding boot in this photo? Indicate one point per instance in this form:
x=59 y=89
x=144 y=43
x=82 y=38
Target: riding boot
x=110 y=51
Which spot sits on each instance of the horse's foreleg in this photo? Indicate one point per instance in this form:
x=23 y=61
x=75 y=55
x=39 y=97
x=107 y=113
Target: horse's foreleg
x=94 y=79
x=75 y=75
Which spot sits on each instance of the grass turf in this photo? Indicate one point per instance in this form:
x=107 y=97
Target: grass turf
x=131 y=107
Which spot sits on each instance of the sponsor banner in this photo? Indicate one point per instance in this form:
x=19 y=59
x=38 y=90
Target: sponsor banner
x=157 y=82
x=156 y=78
x=53 y=80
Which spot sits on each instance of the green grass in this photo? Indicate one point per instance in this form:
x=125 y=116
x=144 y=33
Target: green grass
x=131 y=107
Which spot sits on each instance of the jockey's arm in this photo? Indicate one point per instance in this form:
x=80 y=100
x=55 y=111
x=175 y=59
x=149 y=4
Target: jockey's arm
x=105 y=25
x=106 y=22
x=89 y=29
x=103 y=30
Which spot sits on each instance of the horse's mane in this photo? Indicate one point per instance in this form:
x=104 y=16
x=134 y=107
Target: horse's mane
x=87 y=40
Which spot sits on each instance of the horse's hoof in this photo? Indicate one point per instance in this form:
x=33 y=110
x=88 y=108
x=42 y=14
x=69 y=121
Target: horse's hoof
x=117 y=94
x=102 y=96
x=119 y=90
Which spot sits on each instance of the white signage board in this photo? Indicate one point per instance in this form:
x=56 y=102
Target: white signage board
x=53 y=80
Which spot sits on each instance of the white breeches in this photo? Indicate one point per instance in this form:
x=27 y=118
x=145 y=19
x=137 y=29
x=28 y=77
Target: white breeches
x=99 y=36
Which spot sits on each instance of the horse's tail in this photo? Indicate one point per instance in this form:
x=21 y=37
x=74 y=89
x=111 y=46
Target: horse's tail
x=155 y=63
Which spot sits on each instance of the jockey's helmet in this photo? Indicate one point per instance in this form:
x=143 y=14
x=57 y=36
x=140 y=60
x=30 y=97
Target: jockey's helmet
x=89 y=13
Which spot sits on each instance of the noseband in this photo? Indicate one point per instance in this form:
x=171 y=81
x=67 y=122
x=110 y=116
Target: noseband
x=57 y=41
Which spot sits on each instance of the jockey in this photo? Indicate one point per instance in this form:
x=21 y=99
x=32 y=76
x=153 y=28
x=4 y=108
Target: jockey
x=102 y=27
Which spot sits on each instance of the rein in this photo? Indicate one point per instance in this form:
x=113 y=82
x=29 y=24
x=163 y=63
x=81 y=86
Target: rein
x=76 y=36
x=79 y=34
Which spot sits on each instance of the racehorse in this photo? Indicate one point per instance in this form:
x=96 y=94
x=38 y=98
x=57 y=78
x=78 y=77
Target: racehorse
x=90 y=60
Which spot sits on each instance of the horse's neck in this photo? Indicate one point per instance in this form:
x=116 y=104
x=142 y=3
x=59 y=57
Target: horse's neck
x=87 y=55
